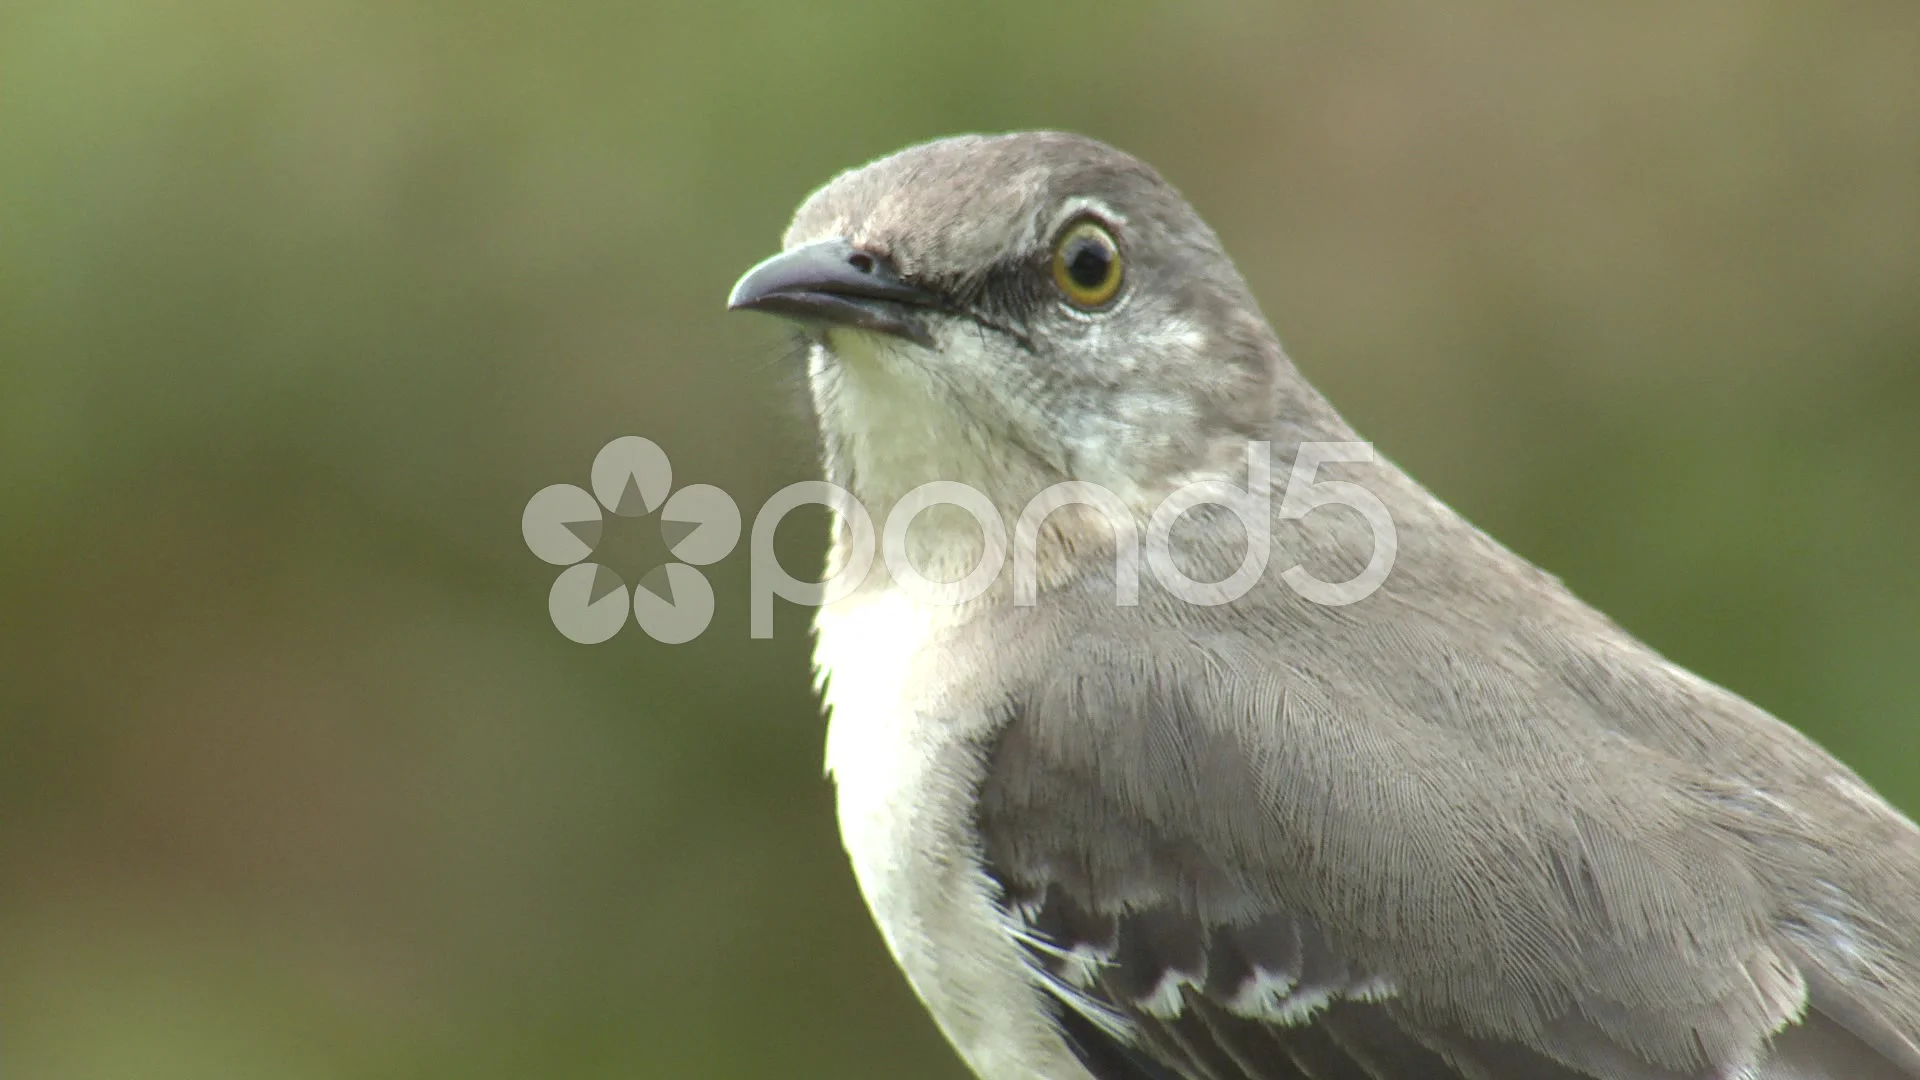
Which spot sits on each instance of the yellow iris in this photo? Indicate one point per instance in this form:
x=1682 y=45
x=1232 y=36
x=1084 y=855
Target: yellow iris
x=1086 y=264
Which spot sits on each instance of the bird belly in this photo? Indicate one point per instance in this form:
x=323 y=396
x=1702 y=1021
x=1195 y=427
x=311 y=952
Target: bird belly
x=905 y=785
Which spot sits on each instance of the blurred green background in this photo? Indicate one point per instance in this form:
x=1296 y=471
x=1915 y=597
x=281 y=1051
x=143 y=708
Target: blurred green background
x=300 y=302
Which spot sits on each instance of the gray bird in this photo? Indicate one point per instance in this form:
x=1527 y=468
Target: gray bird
x=1459 y=826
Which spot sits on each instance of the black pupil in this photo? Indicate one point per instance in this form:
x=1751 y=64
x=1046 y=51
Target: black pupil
x=1088 y=263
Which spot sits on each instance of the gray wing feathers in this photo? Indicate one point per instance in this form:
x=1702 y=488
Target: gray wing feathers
x=1503 y=857
x=1819 y=1048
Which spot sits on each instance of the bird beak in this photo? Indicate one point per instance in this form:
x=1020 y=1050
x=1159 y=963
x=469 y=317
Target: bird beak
x=833 y=283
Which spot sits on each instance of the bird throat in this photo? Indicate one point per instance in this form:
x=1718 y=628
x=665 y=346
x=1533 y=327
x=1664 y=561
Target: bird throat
x=889 y=429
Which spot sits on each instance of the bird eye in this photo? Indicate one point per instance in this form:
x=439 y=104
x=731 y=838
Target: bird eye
x=1086 y=264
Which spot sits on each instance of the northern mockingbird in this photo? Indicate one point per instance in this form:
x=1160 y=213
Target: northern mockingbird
x=1462 y=826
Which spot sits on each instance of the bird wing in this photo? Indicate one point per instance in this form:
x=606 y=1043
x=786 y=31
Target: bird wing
x=1226 y=868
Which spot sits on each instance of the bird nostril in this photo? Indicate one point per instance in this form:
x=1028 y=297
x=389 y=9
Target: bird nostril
x=861 y=261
